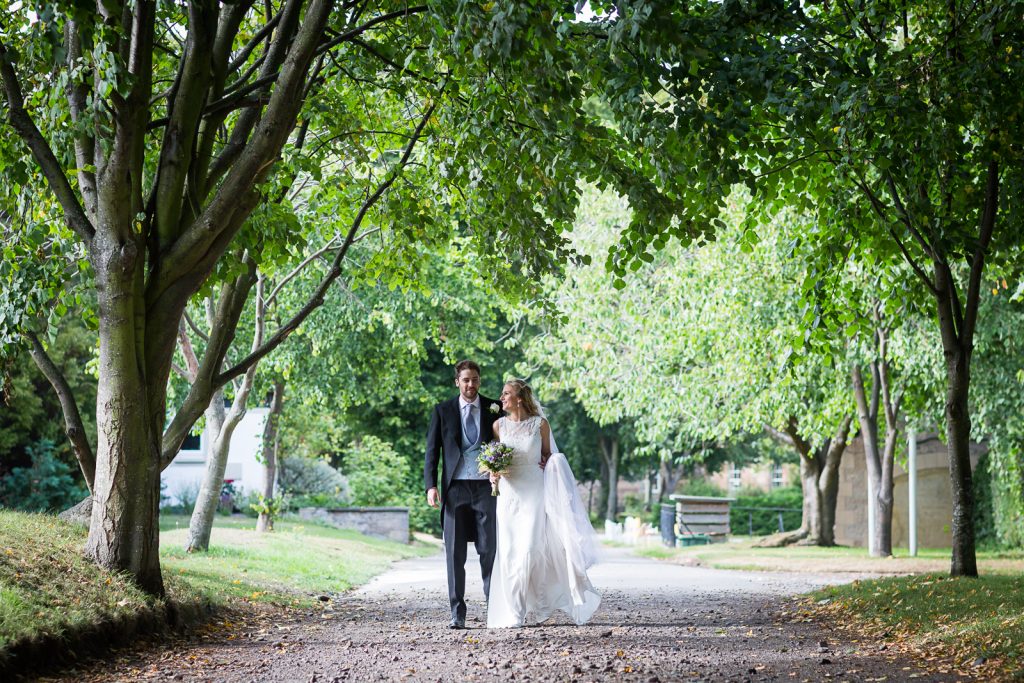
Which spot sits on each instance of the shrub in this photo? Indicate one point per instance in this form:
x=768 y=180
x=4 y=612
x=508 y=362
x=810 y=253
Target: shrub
x=301 y=477
x=765 y=522
x=699 y=487
x=47 y=485
x=376 y=473
x=186 y=494
x=316 y=500
x=422 y=517
x=633 y=506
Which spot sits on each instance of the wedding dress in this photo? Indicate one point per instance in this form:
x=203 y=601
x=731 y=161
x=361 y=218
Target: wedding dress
x=545 y=542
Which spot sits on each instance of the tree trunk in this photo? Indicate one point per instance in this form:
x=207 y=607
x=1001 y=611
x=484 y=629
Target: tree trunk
x=270 y=443
x=879 y=537
x=830 y=456
x=610 y=455
x=958 y=440
x=217 y=447
x=649 y=484
x=123 y=530
x=883 y=496
x=670 y=477
x=819 y=480
x=810 y=523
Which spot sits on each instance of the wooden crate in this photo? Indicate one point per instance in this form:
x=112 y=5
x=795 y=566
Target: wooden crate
x=704 y=517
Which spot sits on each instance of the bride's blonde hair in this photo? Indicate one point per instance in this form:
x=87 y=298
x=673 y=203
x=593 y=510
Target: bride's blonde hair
x=525 y=394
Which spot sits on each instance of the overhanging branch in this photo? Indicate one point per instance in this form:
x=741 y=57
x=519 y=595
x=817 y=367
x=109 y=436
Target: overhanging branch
x=988 y=223
x=73 y=426
x=26 y=128
x=317 y=299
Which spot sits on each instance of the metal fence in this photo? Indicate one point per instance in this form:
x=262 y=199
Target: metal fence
x=780 y=511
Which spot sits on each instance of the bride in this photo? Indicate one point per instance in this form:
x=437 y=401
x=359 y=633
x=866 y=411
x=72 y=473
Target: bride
x=545 y=542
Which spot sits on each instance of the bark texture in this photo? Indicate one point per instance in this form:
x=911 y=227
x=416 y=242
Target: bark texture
x=878 y=457
x=819 y=481
x=610 y=458
x=123 y=533
x=265 y=522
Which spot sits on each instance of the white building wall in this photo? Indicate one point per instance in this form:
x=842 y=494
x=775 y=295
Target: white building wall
x=185 y=473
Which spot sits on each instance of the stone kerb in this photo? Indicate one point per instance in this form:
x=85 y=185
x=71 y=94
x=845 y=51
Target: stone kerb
x=384 y=522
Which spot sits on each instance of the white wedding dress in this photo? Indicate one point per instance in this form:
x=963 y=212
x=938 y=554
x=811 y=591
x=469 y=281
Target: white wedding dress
x=545 y=542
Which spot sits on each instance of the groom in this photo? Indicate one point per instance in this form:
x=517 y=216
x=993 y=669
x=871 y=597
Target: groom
x=458 y=427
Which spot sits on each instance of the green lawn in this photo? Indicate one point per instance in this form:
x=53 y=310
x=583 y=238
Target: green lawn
x=978 y=622
x=741 y=553
x=294 y=564
x=48 y=588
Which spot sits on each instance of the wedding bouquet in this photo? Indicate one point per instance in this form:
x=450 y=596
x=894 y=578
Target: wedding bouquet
x=495 y=458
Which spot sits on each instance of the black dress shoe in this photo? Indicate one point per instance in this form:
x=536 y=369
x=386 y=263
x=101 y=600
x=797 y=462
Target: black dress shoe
x=457 y=623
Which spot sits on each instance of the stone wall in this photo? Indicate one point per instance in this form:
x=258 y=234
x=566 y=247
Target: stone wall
x=934 y=496
x=754 y=476
x=390 y=522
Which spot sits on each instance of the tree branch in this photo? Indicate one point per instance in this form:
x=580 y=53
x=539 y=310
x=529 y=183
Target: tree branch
x=185 y=110
x=880 y=211
x=907 y=218
x=230 y=304
x=988 y=223
x=318 y=296
x=188 y=352
x=359 y=30
x=73 y=426
x=74 y=214
x=305 y=262
x=85 y=144
x=195 y=328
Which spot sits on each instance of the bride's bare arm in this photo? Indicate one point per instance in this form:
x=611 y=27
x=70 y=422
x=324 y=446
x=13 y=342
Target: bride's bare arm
x=545 y=442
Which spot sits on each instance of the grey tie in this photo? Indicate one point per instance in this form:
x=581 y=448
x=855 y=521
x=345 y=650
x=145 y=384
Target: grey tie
x=470 y=425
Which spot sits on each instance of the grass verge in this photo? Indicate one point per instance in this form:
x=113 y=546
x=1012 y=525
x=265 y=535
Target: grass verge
x=51 y=596
x=294 y=565
x=979 y=623
x=741 y=553
x=47 y=588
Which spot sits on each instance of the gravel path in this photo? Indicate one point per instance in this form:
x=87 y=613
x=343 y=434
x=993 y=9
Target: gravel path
x=658 y=622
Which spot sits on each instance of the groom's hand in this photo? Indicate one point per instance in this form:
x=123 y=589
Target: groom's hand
x=432 y=497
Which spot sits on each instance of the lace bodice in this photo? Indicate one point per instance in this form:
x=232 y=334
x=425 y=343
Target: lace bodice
x=524 y=437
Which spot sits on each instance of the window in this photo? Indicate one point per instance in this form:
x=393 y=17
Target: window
x=776 y=476
x=192 y=443
x=735 y=477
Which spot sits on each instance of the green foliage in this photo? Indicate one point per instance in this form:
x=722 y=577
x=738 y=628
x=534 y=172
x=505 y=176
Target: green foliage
x=299 y=477
x=695 y=350
x=316 y=500
x=633 y=506
x=998 y=401
x=47 y=485
x=184 y=495
x=272 y=506
x=375 y=472
x=30 y=410
x=765 y=522
x=700 y=487
x=984 y=520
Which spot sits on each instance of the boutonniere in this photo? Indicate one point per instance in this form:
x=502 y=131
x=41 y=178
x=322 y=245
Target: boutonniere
x=495 y=408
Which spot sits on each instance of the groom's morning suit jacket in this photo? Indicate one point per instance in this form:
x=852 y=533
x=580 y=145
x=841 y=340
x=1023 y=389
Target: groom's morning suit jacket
x=444 y=439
